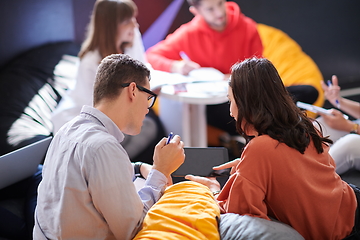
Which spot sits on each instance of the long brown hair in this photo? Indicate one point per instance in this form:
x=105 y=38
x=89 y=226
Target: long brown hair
x=102 y=29
x=263 y=102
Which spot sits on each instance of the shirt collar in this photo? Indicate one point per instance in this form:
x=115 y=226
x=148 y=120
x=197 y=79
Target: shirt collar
x=100 y=118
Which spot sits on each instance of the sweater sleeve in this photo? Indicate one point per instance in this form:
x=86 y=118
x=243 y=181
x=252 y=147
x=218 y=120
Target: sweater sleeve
x=243 y=197
x=245 y=191
x=163 y=54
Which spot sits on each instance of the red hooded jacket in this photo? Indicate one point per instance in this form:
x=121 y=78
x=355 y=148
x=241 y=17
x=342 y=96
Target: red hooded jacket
x=207 y=47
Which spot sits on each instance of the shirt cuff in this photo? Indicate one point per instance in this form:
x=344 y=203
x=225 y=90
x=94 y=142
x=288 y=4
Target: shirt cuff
x=156 y=180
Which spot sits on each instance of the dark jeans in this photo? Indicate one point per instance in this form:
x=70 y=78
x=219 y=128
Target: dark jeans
x=219 y=115
x=11 y=225
x=355 y=234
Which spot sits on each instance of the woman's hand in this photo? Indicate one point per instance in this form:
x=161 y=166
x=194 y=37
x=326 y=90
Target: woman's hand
x=210 y=182
x=184 y=66
x=232 y=164
x=332 y=93
x=337 y=121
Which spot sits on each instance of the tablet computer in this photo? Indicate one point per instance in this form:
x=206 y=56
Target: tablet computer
x=200 y=161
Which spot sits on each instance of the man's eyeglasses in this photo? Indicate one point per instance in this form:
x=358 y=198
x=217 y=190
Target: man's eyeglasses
x=151 y=98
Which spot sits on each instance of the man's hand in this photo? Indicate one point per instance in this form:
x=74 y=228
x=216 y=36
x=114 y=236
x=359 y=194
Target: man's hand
x=184 y=66
x=145 y=170
x=169 y=157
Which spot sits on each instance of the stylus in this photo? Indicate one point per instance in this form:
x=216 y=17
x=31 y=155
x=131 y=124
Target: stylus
x=169 y=138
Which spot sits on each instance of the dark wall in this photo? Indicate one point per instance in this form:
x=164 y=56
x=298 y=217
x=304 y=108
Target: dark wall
x=25 y=24
x=82 y=13
x=327 y=30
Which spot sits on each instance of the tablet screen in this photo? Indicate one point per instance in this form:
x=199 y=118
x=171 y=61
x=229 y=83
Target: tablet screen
x=200 y=161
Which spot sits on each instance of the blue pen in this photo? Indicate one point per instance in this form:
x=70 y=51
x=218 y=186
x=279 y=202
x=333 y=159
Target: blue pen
x=336 y=100
x=169 y=138
x=184 y=56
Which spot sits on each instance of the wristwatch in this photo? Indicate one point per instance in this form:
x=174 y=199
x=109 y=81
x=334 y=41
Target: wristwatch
x=137 y=171
x=355 y=128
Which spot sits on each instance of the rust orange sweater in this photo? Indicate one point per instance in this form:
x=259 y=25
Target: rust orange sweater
x=208 y=47
x=301 y=190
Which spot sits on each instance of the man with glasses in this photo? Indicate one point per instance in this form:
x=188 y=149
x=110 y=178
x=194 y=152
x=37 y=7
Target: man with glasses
x=87 y=191
x=152 y=95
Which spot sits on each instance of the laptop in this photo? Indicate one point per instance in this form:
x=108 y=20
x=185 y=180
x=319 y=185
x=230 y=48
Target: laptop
x=22 y=163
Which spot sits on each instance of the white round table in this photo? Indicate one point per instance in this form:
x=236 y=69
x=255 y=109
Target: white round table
x=183 y=110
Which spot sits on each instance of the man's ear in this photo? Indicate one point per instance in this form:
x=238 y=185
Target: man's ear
x=131 y=90
x=193 y=10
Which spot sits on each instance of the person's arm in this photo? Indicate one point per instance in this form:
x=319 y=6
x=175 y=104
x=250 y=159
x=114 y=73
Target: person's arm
x=165 y=55
x=337 y=121
x=82 y=94
x=350 y=107
x=167 y=158
x=113 y=193
x=211 y=182
x=145 y=170
x=183 y=66
x=332 y=94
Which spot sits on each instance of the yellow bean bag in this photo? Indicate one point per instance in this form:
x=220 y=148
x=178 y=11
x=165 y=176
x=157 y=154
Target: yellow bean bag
x=294 y=66
x=187 y=210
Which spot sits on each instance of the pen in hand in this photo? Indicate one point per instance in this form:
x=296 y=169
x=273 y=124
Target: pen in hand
x=184 y=56
x=169 y=138
x=336 y=100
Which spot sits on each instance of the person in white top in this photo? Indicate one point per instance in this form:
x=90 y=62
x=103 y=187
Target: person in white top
x=113 y=29
x=345 y=133
x=87 y=191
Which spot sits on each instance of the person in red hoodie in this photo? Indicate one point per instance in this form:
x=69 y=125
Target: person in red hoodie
x=218 y=29
x=218 y=36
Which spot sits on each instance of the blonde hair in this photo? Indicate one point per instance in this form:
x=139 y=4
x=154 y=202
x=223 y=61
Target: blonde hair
x=102 y=29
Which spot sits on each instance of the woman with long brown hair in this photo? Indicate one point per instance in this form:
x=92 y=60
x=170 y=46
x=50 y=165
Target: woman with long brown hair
x=285 y=171
x=112 y=29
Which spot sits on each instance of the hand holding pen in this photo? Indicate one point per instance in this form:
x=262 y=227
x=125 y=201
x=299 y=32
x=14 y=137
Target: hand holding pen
x=168 y=154
x=185 y=65
x=332 y=91
x=169 y=138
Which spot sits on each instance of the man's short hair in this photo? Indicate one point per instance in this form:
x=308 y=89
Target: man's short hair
x=115 y=70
